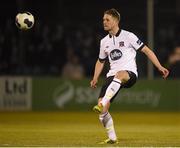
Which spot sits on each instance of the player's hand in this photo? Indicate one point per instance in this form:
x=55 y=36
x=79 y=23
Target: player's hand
x=93 y=83
x=164 y=72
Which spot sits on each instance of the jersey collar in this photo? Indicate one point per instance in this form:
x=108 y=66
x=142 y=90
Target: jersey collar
x=117 y=34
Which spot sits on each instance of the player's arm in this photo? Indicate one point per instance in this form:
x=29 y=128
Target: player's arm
x=98 y=69
x=150 y=54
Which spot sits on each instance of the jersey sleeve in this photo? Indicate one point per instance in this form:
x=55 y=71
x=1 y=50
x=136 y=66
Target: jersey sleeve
x=135 y=42
x=102 y=54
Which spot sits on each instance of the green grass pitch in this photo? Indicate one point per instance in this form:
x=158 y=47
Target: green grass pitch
x=59 y=129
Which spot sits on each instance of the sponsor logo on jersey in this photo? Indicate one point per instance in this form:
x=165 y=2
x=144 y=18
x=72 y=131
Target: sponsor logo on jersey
x=115 y=54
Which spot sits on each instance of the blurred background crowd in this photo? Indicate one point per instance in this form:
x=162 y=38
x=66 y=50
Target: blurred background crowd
x=65 y=38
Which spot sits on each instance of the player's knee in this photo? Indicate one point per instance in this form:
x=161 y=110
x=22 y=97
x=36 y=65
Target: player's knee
x=122 y=75
x=102 y=118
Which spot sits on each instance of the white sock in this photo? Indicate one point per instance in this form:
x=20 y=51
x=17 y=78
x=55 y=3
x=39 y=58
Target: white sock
x=107 y=122
x=112 y=89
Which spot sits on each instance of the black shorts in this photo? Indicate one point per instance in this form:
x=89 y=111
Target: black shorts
x=128 y=84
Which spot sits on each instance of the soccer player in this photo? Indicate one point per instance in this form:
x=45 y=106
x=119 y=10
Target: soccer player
x=120 y=47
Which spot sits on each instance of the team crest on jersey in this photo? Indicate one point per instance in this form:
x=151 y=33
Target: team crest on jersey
x=121 y=44
x=115 y=54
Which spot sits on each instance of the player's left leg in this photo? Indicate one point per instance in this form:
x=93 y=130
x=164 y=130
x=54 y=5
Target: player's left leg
x=99 y=108
x=120 y=78
x=124 y=79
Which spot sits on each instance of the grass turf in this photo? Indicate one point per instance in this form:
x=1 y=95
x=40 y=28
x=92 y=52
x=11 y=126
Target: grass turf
x=58 y=129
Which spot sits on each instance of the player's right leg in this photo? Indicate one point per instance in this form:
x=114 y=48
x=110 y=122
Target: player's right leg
x=109 y=141
x=107 y=121
x=128 y=79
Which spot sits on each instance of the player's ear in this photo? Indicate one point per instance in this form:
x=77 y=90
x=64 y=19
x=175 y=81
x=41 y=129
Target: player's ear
x=116 y=20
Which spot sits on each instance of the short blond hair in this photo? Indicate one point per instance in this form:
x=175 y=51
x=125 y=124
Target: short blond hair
x=114 y=13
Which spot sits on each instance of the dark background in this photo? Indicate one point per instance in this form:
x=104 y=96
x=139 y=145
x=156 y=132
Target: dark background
x=66 y=27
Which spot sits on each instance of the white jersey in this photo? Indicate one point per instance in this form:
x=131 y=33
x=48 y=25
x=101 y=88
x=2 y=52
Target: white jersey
x=121 y=51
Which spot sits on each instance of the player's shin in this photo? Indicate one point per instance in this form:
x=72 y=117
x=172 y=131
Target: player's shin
x=112 y=89
x=107 y=122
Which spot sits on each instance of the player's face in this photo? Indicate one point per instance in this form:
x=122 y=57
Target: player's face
x=109 y=22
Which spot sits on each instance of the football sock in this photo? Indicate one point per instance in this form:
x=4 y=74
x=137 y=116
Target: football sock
x=107 y=122
x=111 y=91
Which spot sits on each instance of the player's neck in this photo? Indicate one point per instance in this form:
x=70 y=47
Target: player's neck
x=114 y=31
